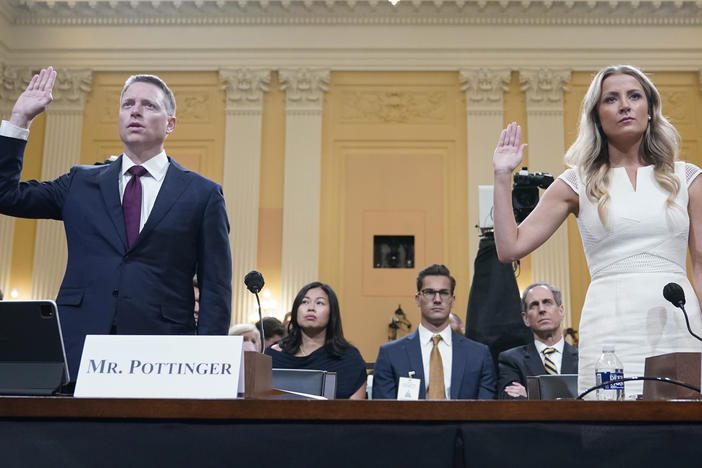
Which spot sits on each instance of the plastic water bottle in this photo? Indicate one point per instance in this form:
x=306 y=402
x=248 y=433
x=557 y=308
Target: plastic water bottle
x=609 y=367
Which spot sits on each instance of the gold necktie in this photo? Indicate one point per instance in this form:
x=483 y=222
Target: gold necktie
x=548 y=363
x=436 y=389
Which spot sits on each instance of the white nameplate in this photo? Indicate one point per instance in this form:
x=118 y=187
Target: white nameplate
x=163 y=366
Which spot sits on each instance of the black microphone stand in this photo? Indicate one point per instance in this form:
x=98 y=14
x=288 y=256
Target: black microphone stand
x=254 y=283
x=687 y=322
x=260 y=322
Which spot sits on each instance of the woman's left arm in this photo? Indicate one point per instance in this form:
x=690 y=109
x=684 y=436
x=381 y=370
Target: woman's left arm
x=694 y=209
x=359 y=394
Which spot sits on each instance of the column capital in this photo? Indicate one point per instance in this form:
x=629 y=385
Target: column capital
x=244 y=88
x=544 y=87
x=70 y=89
x=484 y=87
x=13 y=80
x=304 y=87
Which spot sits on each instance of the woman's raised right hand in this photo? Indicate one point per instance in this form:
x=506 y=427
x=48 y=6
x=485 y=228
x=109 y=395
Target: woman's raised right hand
x=509 y=150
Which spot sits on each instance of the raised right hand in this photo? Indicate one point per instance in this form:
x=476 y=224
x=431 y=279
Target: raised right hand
x=509 y=150
x=35 y=99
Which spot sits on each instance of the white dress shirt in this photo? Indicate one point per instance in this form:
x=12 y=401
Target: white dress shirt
x=13 y=131
x=557 y=357
x=445 y=349
x=151 y=182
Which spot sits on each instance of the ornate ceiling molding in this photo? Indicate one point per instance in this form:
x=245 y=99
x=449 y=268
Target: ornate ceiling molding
x=370 y=12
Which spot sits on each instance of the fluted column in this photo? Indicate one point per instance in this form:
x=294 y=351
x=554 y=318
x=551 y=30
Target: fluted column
x=544 y=96
x=12 y=82
x=242 y=172
x=64 y=125
x=305 y=90
x=484 y=90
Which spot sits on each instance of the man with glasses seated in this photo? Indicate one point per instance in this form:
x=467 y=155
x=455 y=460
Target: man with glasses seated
x=444 y=364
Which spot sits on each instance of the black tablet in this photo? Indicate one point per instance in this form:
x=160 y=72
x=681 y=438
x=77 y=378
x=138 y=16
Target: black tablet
x=32 y=357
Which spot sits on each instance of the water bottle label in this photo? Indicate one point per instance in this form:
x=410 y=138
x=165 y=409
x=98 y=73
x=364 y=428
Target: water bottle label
x=603 y=377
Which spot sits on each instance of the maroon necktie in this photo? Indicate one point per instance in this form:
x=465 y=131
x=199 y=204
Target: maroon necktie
x=131 y=203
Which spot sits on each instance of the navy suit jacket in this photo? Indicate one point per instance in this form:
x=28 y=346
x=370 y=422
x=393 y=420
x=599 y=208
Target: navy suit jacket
x=472 y=369
x=142 y=289
x=516 y=364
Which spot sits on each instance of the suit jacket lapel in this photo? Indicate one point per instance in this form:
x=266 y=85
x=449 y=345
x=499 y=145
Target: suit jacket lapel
x=570 y=360
x=174 y=183
x=413 y=348
x=108 y=180
x=458 y=355
x=533 y=360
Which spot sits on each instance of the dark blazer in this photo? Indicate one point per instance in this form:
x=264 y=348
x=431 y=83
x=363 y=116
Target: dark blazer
x=516 y=364
x=142 y=289
x=472 y=369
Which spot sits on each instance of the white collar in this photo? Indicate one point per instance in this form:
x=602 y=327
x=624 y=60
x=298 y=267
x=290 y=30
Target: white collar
x=156 y=166
x=558 y=346
x=426 y=335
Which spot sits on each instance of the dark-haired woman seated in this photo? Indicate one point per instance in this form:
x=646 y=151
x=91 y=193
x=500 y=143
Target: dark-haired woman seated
x=315 y=340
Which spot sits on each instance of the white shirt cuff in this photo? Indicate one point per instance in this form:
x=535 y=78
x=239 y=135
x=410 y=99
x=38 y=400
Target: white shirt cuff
x=13 y=131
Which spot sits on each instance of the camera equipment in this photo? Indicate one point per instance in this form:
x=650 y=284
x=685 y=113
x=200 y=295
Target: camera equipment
x=525 y=191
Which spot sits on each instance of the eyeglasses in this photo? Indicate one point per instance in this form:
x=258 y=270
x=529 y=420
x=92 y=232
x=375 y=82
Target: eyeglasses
x=431 y=293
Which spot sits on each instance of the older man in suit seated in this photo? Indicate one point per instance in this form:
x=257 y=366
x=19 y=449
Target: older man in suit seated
x=543 y=312
x=446 y=364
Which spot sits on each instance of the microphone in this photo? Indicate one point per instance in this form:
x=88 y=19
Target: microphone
x=674 y=294
x=254 y=283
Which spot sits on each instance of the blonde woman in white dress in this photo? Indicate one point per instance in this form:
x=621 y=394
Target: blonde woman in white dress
x=638 y=211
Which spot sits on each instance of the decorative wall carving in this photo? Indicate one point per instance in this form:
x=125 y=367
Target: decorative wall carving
x=544 y=87
x=484 y=87
x=193 y=106
x=110 y=107
x=245 y=87
x=394 y=106
x=70 y=89
x=304 y=87
x=13 y=80
x=677 y=105
x=200 y=12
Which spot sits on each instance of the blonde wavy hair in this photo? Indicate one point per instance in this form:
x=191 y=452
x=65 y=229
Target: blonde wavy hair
x=590 y=153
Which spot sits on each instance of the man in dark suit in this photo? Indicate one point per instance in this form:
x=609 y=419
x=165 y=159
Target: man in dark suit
x=137 y=229
x=447 y=365
x=543 y=312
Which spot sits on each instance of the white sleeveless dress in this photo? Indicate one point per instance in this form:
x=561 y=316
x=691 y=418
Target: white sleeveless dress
x=643 y=248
